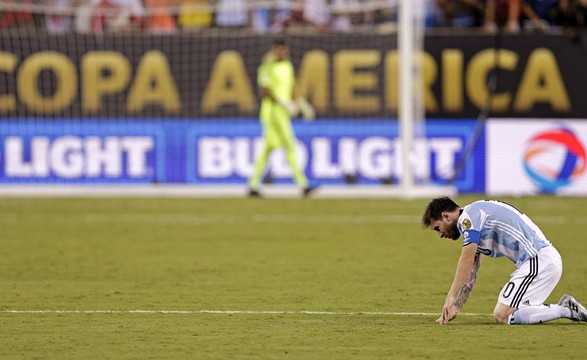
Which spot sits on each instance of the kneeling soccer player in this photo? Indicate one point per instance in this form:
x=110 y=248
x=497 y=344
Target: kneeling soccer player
x=496 y=229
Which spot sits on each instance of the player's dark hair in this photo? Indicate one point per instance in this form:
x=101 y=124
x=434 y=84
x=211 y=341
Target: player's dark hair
x=435 y=208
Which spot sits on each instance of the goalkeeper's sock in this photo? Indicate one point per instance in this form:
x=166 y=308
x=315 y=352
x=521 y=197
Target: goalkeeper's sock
x=538 y=314
x=260 y=163
x=298 y=175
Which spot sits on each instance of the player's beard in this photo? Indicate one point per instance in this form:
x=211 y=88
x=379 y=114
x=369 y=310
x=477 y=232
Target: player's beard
x=453 y=232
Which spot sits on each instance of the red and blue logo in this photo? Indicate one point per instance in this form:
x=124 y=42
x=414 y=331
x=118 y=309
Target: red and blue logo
x=554 y=159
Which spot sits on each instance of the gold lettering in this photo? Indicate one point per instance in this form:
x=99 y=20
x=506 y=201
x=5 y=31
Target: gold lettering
x=452 y=80
x=429 y=77
x=229 y=84
x=313 y=79
x=154 y=85
x=391 y=86
x=103 y=73
x=65 y=85
x=477 y=72
x=391 y=81
x=7 y=64
x=347 y=81
x=542 y=83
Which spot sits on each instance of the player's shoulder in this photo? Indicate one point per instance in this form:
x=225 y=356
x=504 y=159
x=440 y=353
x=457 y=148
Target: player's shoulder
x=479 y=205
x=264 y=67
x=289 y=69
x=473 y=207
x=471 y=215
x=287 y=64
x=494 y=207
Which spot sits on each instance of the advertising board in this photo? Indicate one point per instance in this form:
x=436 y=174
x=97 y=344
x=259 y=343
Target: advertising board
x=223 y=152
x=526 y=157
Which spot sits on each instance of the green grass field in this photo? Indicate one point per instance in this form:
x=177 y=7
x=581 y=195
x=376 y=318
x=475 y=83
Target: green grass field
x=303 y=279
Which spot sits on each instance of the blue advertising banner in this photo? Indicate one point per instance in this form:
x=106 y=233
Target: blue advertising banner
x=73 y=151
x=223 y=152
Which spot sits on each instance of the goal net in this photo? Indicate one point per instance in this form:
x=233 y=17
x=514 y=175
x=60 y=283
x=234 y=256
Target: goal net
x=121 y=92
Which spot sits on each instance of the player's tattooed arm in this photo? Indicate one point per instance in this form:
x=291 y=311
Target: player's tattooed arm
x=467 y=287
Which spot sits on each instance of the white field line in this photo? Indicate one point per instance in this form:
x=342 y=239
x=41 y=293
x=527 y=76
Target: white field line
x=195 y=219
x=233 y=312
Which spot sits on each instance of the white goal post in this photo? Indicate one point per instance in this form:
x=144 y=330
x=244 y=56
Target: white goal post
x=411 y=113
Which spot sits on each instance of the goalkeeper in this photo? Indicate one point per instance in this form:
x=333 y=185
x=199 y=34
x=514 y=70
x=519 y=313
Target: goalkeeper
x=276 y=80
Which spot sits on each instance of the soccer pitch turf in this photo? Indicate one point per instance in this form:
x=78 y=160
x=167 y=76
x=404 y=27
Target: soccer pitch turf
x=261 y=279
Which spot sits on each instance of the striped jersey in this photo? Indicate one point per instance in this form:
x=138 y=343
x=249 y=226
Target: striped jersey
x=499 y=229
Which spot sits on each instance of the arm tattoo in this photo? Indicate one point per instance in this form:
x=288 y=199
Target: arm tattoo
x=467 y=287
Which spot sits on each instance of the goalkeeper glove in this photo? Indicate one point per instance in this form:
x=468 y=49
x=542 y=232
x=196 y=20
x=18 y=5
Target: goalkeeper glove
x=290 y=106
x=306 y=109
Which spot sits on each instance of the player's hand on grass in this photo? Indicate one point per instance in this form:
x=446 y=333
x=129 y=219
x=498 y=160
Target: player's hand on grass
x=448 y=313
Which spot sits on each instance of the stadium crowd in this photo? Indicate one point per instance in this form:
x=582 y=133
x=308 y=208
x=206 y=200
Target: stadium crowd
x=169 y=16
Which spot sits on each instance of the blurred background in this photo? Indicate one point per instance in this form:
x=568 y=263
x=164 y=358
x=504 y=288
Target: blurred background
x=163 y=93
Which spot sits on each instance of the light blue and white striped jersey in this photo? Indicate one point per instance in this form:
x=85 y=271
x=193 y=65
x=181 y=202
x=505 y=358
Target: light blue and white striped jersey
x=499 y=229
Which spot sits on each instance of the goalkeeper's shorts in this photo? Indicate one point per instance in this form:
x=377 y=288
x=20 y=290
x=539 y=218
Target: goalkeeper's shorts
x=277 y=128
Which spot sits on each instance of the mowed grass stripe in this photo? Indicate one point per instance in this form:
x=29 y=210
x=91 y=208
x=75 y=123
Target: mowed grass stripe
x=234 y=312
x=211 y=219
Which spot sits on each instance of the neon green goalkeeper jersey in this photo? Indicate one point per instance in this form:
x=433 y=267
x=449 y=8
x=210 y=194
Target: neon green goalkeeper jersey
x=278 y=77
